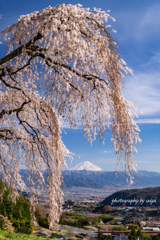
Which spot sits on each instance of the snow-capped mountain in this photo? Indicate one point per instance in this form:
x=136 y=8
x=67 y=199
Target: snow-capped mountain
x=87 y=166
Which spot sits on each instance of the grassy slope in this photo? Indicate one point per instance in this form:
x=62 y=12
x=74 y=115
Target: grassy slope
x=19 y=236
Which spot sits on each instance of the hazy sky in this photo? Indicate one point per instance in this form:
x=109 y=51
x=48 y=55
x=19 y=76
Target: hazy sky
x=138 y=35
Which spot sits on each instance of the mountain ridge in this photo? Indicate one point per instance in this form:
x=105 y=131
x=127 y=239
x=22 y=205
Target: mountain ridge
x=102 y=179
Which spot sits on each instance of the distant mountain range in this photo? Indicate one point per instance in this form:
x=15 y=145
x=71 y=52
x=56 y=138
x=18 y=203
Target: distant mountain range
x=135 y=197
x=101 y=179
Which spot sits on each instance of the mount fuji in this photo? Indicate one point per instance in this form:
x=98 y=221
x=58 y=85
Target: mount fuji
x=87 y=166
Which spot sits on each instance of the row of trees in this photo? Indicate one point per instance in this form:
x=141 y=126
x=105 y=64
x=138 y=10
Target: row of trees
x=61 y=63
x=138 y=234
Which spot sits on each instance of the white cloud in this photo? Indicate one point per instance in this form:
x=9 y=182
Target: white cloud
x=139 y=25
x=106 y=151
x=145 y=161
x=144 y=91
x=150 y=19
x=149 y=120
x=154 y=61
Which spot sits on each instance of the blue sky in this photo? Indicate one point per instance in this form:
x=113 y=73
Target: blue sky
x=138 y=35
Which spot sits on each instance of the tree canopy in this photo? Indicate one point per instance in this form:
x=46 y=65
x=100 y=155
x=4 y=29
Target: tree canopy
x=61 y=63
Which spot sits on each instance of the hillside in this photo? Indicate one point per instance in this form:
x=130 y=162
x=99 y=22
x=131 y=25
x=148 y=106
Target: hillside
x=134 y=197
x=18 y=213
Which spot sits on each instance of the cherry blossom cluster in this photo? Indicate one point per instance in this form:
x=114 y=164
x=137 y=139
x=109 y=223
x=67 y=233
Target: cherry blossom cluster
x=8 y=224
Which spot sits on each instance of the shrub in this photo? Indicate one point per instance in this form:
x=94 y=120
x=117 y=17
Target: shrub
x=22 y=226
x=69 y=213
x=131 y=226
x=40 y=212
x=145 y=235
x=105 y=218
x=120 y=228
x=25 y=230
x=79 y=217
x=43 y=222
x=2 y=224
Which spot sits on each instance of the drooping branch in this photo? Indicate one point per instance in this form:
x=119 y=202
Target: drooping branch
x=47 y=60
x=4 y=137
x=8 y=112
x=18 y=51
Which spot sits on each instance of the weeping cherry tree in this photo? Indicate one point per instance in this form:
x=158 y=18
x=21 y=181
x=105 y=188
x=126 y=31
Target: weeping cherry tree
x=61 y=64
